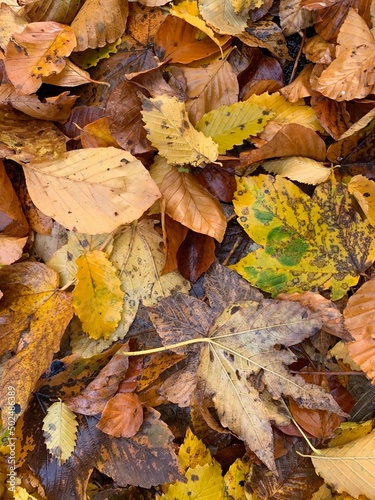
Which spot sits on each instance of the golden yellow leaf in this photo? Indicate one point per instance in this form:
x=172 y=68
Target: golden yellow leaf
x=187 y=202
x=349 y=468
x=231 y=125
x=363 y=190
x=139 y=257
x=222 y=16
x=99 y=22
x=238 y=474
x=193 y=452
x=170 y=131
x=351 y=74
x=307 y=244
x=97 y=297
x=37 y=52
x=92 y=190
x=34 y=315
x=350 y=431
x=60 y=431
x=298 y=168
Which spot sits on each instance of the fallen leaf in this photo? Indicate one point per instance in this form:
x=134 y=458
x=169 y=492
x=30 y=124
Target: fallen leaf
x=296 y=257
x=48 y=10
x=37 y=52
x=122 y=416
x=298 y=168
x=98 y=135
x=236 y=477
x=12 y=219
x=31 y=300
x=187 y=202
x=359 y=320
x=294 y=18
x=11 y=248
x=170 y=131
x=11 y=23
x=349 y=468
x=92 y=190
x=195 y=255
x=349 y=76
x=267 y=35
x=332 y=115
x=231 y=125
x=99 y=22
x=71 y=76
x=97 y=297
x=60 y=431
x=222 y=16
x=363 y=191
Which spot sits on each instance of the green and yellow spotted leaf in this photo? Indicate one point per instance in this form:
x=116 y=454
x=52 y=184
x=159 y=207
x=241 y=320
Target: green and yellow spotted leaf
x=230 y=125
x=315 y=244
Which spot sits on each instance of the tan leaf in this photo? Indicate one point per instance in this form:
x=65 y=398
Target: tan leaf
x=359 y=320
x=122 y=416
x=48 y=10
x=37 y=52
x=11 y=23
x=12 y=219
x=71 y=76
x=222 y=16
x=363 y=190
x=92 y=190
x=31 y=301
x=11 y=248
x=300 y=86
x=298 y=168
x=99 y=22
x=293 y=18
x=187 y=202
x=318 y=50
x=350 y=75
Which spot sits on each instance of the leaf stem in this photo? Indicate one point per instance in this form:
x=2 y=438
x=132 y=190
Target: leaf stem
x=166 y=348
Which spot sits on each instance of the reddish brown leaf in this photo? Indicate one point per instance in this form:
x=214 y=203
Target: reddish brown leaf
x=219 y=181
x=174 y=235
x=12 y=219
x=195 y=255
x=122 y=416
x=332 y=17
x=267 y=77
x=332 y=115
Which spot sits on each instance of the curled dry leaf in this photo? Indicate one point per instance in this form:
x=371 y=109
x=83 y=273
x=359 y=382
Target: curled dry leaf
x=92 y=190
x=37 y=52
x=359 y=320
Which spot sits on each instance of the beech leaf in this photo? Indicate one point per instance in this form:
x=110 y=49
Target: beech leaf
x=171 y=132
x=60 y=431
x=222 y=16
x=298 y=168
x=122 y=416
x=92 y=190
x=363 y=190
x=97 y=297
x=307 y=244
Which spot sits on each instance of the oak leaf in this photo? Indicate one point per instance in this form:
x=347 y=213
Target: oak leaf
x=60 y=431
x=37 y=52
x=31 y=301
x=351 y=74
x=97 y=297
x=304 y=241
x=92 y=190
x=170 y=131
x=187 y=202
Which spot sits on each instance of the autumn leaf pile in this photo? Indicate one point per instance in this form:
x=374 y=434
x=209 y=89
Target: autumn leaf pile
x=187 y=248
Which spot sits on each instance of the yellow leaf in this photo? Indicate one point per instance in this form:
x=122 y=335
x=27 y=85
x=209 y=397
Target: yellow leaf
x=238 y=474
x=231 y=125
x=349 y=468
x=171 y=132
x=363 y=190
x=60 y=431
x=315 y=244
x=222 y=16
x=350 y=75
x=10 y=23
x=97 y=298
x=37 y=52
x=138 y=255
x=187 y=202
x=92 y=190
x=63 y=261
x=287 y=112
x=298 y=168
x=203 y=483
x=34 y=315
x=189 y=12
x=193 y=452
x=350 y=431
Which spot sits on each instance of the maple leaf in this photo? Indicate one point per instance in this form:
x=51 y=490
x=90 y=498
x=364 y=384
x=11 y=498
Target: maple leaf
x=171 y=132
x=239 y=365
x=306 y=243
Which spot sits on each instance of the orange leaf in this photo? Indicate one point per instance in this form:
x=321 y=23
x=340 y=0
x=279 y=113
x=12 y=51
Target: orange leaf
x=12 y=219
x=37 y=52
x=122 y=416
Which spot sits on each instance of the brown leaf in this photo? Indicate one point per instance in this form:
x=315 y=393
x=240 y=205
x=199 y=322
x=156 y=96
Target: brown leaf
x=359 y=320
x=174 y=234
x=11 y=248
x=31 y=301
x=125 y=120
x=122 y=416
x=97 y=135
x=49 y=10
x=95 y=396
x=99 y=22
x=37 y=52
x=11 y=23
x=267 y=35
x=268 y=77
x=12 y=219
x=81 y=116
x=155 y=365
x=333 y=15
x=300 y=86
x=219 y=181
x=195 y=255
x=332 y=115
x=291 y=140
